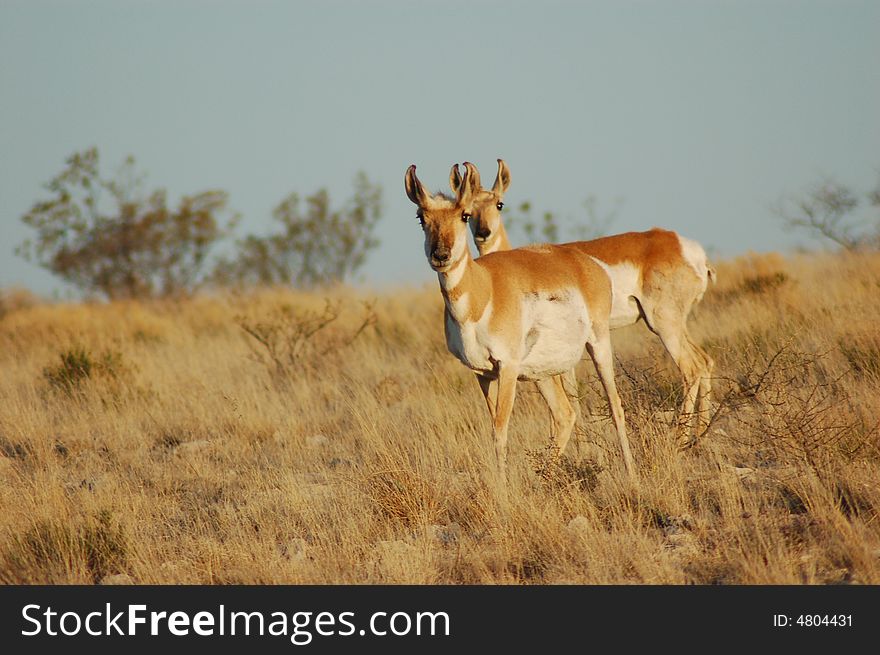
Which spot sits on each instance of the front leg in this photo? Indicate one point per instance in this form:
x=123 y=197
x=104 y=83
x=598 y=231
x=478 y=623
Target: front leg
x=507 y=375
x=490 y=392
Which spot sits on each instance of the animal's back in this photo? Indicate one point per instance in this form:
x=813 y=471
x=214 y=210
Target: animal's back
x=554 y=297
x=546 y=268
x=648 y=249
x=655 y=255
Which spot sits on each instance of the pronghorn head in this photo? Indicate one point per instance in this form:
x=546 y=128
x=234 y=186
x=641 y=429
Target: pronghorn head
x=485 y=219
x=443 y=219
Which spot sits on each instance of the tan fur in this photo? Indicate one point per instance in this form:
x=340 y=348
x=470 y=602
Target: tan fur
x=667 y=288
x=504 y=308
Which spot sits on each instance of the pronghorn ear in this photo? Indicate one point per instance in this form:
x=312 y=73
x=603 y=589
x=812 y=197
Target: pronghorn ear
x=454 y=179
x=414 y=189
x=502 y=180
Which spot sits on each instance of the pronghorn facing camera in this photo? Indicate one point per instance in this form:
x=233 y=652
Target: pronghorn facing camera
x=523 y=314
x=657 y=276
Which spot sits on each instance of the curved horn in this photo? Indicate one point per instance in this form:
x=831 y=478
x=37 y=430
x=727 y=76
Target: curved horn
x=473 y=177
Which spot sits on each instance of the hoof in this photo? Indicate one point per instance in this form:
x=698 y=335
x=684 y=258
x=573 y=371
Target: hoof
x=685 y=438
x=686 y=443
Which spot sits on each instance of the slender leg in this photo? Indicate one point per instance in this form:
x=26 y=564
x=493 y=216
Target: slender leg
x=690 y=365
x=704 y=394
x=488 y=387
x=507 y=374
x=600 y=352
x=570 y=384
x=669 y=323
x=591 y=448
x=562 y=414
x=666 y=316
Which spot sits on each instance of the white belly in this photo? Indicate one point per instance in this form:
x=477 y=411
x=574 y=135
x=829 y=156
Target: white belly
x=556 y=327
x=553 y=332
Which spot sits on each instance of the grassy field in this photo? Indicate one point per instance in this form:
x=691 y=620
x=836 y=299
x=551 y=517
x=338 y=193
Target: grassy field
x=280 y=437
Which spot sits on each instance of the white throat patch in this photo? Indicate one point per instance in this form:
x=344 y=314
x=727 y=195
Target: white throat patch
x=451 y=278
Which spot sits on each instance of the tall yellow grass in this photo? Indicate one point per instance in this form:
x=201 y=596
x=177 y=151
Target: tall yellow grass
x=164 y=443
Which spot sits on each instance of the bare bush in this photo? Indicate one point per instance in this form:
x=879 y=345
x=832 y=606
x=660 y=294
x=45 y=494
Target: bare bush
x=828 y=210
x=288 y=339
x=789 y=409
x=316 y=245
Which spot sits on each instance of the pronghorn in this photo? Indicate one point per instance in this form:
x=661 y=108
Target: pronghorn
x=657 y=276
x=524 y=314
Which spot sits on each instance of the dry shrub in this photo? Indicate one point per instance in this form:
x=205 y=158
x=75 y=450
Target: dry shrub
x=788 y=409
x=564 y=472
x=78 y=368
x=399 y=492
x=16 y=299
x=862 y=352
x=87 y=548
x=290 y=340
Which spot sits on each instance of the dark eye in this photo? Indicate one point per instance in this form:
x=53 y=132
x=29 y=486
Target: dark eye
x=465 y=217
x=500 y=206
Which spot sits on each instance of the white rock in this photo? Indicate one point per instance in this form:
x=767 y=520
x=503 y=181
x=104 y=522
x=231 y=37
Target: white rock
x=295 y=550
x=194 y=446
x=579 y=525
x=317 y=441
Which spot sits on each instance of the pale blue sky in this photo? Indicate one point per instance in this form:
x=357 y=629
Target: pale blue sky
x=699 y=114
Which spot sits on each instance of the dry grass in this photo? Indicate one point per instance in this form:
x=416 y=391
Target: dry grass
x=168 y=443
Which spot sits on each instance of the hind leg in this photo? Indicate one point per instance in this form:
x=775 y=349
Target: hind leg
x=563 y=416
x=600 y=353
x=704 y=394
x=691 y=365
x=666 y=302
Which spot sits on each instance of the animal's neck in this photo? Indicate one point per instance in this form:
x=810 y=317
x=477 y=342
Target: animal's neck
x=498 y=242
x=460 y=286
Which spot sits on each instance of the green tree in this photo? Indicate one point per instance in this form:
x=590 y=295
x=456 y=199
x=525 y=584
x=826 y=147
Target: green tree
x=315 y=243
x=107 y=236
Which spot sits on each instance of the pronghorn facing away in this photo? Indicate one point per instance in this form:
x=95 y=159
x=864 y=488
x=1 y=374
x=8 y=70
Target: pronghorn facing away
x=656 y=275
x=524 y=314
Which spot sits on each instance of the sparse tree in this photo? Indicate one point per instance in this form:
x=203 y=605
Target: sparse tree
x=315 y=244
x=829 y=211
x=106 y=236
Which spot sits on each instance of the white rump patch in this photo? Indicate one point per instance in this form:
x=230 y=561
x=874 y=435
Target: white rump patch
x=625 y=286
x=695 y=256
